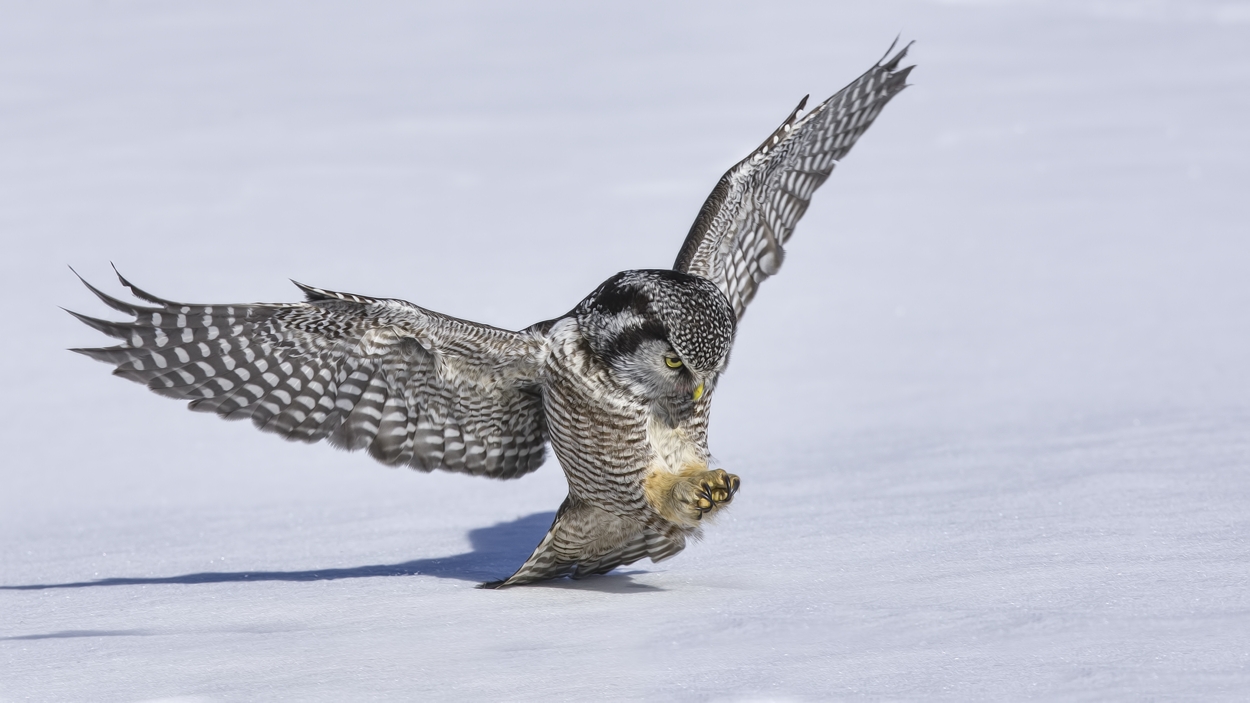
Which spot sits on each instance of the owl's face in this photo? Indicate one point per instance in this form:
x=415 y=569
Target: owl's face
x=665 y=335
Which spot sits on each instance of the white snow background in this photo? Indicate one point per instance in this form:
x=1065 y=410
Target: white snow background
x=992 y=419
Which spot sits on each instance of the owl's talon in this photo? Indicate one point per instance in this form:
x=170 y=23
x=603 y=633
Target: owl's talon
x=703 y=493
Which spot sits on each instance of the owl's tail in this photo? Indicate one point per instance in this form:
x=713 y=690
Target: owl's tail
x=585 y=540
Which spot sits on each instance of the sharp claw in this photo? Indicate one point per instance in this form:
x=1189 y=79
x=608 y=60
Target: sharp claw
x=704 y=494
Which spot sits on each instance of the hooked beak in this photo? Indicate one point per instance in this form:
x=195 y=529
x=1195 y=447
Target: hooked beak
x=698 y=392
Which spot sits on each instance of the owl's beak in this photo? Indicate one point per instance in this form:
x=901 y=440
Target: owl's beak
x=698 y=392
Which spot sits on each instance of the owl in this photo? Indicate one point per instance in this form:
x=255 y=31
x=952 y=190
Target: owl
x=620 y=386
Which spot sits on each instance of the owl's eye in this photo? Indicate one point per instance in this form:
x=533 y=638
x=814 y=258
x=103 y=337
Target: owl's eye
x=672 y=362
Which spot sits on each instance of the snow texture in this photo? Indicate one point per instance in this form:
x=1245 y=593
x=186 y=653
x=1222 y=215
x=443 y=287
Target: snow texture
x=992 y=419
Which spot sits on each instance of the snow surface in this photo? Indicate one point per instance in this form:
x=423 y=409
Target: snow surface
x=992 y=420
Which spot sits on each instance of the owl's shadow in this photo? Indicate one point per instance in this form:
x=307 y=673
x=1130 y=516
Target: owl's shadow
x=496 y=551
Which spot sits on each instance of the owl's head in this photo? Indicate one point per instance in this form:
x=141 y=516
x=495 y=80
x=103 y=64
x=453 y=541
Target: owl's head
x=664 y=334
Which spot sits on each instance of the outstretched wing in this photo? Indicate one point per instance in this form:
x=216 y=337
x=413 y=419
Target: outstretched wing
x=737 y=239
x=409 y=385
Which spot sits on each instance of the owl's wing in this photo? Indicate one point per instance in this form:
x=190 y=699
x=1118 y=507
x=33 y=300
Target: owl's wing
x=737 y=239
x=409 y=385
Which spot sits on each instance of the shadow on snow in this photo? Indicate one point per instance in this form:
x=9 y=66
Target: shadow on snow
x=496 y=552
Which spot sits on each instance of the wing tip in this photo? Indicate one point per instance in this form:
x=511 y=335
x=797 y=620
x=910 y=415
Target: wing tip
x=139 y=292
x=115 y=303
x=97 y=353
x=891 y=63
x=116 y=330
x=311 y=294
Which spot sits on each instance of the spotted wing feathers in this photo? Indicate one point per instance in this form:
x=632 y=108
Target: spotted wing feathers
x=410 y=386
x=738 y=237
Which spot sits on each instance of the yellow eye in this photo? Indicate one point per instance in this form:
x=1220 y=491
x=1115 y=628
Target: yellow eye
x=672 y=362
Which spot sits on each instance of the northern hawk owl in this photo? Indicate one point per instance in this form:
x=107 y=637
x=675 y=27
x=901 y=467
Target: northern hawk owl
x=620 y=386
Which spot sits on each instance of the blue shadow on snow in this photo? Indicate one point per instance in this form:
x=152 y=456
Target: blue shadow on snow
x=496 y=552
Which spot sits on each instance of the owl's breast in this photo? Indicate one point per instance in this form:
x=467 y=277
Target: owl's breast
x=598 y=430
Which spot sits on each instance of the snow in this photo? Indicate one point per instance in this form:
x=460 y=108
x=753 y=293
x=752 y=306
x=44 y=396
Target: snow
x=992 y=419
